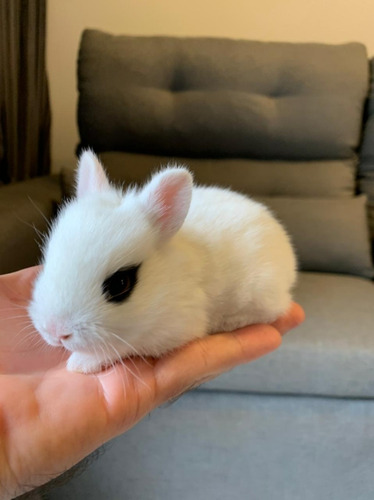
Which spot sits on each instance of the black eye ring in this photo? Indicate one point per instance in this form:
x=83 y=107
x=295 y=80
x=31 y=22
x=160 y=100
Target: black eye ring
x=119 y=286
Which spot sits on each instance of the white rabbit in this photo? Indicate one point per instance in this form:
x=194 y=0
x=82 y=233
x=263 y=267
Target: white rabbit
x=147 y=270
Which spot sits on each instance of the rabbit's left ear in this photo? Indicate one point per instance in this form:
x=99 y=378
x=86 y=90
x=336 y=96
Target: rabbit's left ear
x=167 y=198
x=91 y=177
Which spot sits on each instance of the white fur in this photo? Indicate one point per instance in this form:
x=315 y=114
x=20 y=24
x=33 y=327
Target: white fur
x=229 y=264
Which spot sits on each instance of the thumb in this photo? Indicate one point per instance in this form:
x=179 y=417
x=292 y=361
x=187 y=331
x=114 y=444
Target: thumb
x=206 y=358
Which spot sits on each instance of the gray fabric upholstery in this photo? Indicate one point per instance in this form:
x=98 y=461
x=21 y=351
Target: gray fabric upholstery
x=220 y=98
x=329 y=234
x=220 y=446
x=25 y=208
x=366 y=166
x=367 y=187
x=331 y=354
x=330 y=178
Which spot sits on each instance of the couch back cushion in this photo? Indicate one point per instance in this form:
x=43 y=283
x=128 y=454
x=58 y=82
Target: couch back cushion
x=330 y=178
x=207 y=97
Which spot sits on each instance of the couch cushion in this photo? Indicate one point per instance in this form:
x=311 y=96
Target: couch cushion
x=208 y=97
x=25 y=208
x=366 y=166
x=323 y=178
x=367 y=187
x=331 y=354
x=329 y=234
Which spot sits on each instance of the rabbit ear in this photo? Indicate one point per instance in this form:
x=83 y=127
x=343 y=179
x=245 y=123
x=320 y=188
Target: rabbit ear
x=91 y=177
x=167 y=198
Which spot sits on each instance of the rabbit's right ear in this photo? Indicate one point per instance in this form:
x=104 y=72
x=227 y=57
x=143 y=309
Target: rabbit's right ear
x=167 y=198
x=91 y=177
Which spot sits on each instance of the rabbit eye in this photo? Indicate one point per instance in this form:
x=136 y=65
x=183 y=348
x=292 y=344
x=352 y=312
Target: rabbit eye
x=119 y=285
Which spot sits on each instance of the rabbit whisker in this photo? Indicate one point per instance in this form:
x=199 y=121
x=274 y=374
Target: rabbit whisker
x=135 y=351
x=128 y=368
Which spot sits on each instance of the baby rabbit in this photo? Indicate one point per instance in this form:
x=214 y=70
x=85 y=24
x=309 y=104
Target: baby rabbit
x=144 y=271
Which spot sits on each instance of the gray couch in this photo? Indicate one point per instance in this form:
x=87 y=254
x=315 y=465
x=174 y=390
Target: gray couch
x=292 y=125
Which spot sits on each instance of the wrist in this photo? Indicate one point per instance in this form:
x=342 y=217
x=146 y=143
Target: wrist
x=8 y=486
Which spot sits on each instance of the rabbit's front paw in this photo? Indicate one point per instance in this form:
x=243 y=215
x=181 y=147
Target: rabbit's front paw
x=84 y=363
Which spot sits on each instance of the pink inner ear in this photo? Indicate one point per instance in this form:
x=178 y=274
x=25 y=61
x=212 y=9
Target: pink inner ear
x=170 y=201
x=167 y=197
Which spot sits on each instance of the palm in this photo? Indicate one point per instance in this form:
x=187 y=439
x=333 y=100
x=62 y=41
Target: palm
x=55 y=418
x=37 y=391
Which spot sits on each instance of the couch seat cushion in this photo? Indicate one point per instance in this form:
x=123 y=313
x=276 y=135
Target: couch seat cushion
x=331 y=354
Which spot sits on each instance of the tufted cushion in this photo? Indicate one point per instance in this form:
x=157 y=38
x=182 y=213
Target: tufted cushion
x=219 y=97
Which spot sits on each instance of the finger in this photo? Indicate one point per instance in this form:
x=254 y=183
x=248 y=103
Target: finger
x=206 y=358
x=19 y=283
x=294 y=317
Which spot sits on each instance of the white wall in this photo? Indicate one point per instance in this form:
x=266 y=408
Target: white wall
x=333 y=21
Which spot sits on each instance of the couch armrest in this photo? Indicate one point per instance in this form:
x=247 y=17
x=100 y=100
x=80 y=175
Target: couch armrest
x=23 y=207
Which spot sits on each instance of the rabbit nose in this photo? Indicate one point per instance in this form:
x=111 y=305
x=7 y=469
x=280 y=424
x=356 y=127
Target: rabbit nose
x=57 y=331
x=65 y=337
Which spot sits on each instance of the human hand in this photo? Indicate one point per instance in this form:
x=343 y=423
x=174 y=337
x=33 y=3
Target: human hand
x=51 y=418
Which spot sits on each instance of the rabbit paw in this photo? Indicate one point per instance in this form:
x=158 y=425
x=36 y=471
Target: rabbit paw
x=84 y=363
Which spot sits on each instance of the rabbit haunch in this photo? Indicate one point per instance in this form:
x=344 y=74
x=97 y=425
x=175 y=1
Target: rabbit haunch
x=203 y=260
